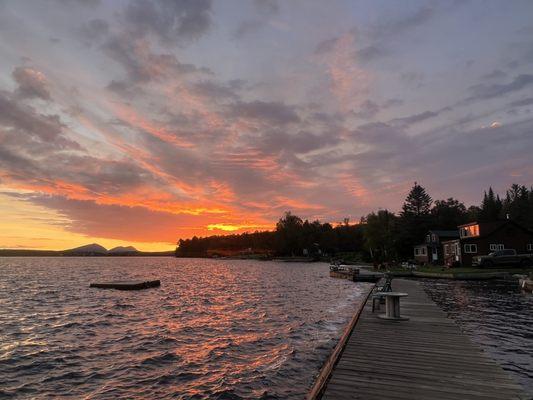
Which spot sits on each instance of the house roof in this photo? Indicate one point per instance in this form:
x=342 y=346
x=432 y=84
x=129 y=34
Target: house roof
x=450 y=241
x=441 y=233
x=488 y=228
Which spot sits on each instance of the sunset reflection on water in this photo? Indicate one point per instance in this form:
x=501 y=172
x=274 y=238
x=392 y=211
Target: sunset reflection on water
x=215 y=329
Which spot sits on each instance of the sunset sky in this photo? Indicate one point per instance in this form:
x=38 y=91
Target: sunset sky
x=135 y=122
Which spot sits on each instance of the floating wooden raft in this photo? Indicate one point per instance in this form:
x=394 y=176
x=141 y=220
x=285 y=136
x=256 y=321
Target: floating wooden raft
x=127 y=285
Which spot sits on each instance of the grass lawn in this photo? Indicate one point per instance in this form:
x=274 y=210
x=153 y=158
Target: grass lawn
x=470 y=270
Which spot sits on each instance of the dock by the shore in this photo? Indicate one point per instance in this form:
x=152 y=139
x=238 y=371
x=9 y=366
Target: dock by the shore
x=426 y=357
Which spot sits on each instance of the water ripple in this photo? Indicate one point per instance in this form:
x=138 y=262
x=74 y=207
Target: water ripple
x=213 y=330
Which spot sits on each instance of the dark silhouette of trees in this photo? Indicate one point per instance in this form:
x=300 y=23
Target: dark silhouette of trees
x=381 y=236
x=518 y=205
x=448 y=214
x=289 y=235
x=491 y=207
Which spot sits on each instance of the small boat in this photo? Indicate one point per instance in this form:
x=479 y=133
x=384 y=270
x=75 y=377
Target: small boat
x=343 y=271
x=354 y=274
x=526 y=284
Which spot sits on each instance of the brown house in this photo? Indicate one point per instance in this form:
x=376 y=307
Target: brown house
x=430 y=252
x=481 y=238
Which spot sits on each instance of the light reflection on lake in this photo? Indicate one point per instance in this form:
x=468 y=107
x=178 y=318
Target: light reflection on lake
x=214 y=329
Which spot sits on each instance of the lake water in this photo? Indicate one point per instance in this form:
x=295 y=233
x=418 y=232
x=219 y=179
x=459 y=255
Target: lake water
x=214 y=329
x=497 y=316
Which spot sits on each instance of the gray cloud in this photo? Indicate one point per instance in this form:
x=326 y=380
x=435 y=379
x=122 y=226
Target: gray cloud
x=265 y=10
x=268 y=112
x=394 y=27
x=142 y=65
x=171 y=22
x=215 y=91
x=413 y=119
x=523 y=102
x=486 y=91
x=371 y=53
x=93 y=31
x=26 y=120
x=247 y=27
x=267 y=7
x=301 y=142
x=369 y=108
x=496 y=74
x=31 y=83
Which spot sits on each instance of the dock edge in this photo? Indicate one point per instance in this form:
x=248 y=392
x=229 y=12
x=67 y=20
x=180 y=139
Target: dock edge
x=325 y=372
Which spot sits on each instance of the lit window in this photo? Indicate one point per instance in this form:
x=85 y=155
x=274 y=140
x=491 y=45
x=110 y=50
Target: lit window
x=496 y=247
x=470 y=248
x=530 y=247
x=470 y=231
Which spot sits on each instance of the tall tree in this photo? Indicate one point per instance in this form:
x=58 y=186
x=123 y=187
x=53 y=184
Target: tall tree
x=517 y=205
x=417 y=202
x=415 y=219
x=289 y=234
x=491 y=206
x=448 y=214
x=379 y=235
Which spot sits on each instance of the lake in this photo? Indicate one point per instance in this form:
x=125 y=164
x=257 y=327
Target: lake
x=220 y=329
x=497 y=316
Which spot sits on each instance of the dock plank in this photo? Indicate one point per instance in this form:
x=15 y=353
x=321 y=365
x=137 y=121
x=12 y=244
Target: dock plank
x=426 y=357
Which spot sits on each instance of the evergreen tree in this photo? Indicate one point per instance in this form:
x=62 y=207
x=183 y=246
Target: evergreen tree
x=491 y=207
x=417 y=203
x=517 y=205
x=415 y=220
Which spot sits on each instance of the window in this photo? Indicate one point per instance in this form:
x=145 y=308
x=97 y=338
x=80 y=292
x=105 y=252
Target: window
x=470 y=248
x=420 y=251
x=496 y=247
x=469 y=231
x=530 y=247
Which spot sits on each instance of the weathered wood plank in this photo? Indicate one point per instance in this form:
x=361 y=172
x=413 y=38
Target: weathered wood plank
x=426 y=357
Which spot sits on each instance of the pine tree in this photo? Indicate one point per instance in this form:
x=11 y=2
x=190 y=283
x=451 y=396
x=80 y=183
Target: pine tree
x=517 y=204
x=415 y=219
x=417 y=203
x=491 y=206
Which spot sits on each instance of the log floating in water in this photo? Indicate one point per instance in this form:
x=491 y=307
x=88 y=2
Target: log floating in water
x=127 y=285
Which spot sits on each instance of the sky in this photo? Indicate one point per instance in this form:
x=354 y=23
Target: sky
x=135 y=122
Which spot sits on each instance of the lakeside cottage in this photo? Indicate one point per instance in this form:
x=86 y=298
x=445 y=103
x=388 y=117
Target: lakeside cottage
x=481 y=238
x=431 y=251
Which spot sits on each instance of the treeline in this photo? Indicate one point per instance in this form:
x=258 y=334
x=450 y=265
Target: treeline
x=292 y=237
x=380 y=236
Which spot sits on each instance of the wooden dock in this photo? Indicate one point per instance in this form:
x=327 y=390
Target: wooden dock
x=426 y=357
x=126 y=285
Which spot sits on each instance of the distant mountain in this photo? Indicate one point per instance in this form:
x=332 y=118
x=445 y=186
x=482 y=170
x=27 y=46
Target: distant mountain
x=122 y=250
x=88 y=249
